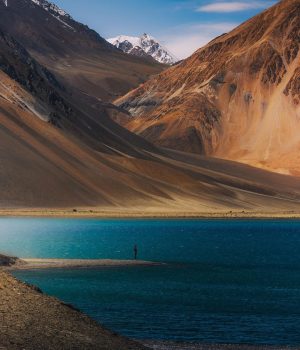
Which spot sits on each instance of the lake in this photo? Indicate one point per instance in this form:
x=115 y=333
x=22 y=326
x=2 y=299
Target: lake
x=225 y=281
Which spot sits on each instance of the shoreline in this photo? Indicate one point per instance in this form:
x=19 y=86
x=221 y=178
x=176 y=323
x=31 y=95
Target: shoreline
x=151 y=214
x=24 y=304
x=40 y=264
x=53 y=324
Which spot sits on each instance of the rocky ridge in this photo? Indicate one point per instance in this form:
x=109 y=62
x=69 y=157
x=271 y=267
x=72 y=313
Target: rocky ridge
x=236 y=98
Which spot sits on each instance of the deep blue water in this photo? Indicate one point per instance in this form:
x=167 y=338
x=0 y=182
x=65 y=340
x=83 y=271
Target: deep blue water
x=225 y=281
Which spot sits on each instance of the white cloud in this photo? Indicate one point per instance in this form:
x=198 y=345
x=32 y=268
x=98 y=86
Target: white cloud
x=185 y=40
x=235 y=6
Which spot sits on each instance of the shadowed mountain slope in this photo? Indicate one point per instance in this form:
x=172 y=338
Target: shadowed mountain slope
x=76 y=54
x=236 y=98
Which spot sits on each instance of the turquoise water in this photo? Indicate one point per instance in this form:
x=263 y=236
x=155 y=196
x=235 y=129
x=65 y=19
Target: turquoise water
x=225 y=281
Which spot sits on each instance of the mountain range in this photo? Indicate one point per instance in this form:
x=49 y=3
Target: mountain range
x=236 y=98
x=144 y=46
x=61 y=145
x=76 y=54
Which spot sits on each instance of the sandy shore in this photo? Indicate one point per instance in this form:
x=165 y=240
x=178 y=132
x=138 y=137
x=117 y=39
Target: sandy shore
x=30 y=264
x=151 y=213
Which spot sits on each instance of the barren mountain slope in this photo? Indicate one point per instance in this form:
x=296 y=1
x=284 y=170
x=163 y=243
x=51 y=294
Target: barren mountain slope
x=76 y=54
x=44 y=167
x=236 y=98
x=57 y=151
x=49 y=158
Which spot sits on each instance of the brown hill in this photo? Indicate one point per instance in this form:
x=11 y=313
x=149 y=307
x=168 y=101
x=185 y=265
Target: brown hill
x=59 y=151
x=236 y=98
x=76 y=54
x=46 y=166
x=51 y=157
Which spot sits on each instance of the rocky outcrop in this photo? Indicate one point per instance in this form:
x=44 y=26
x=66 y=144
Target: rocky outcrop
x=7 y=261
x=293 y=87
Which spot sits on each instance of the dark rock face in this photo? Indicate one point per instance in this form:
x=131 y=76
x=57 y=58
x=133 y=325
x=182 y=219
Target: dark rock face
x=138 y=51
x=293 y=87
x=13 y=53
x=16 y=62
x=268 y=62
x=7 y=261
x=125 y=46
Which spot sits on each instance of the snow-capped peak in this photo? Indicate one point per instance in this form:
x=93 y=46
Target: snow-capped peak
x=135 y=41
x=145 y=45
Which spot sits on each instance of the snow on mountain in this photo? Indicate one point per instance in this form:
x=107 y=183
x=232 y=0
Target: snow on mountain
x=53 y=9
x=49 y=6
x=145 y=45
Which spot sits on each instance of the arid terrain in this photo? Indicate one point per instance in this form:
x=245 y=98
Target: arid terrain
x=60 y=148
x=236 y=98
x=89 y=131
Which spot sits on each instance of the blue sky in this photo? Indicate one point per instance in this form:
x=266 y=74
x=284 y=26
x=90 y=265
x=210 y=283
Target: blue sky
x=181 y=25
